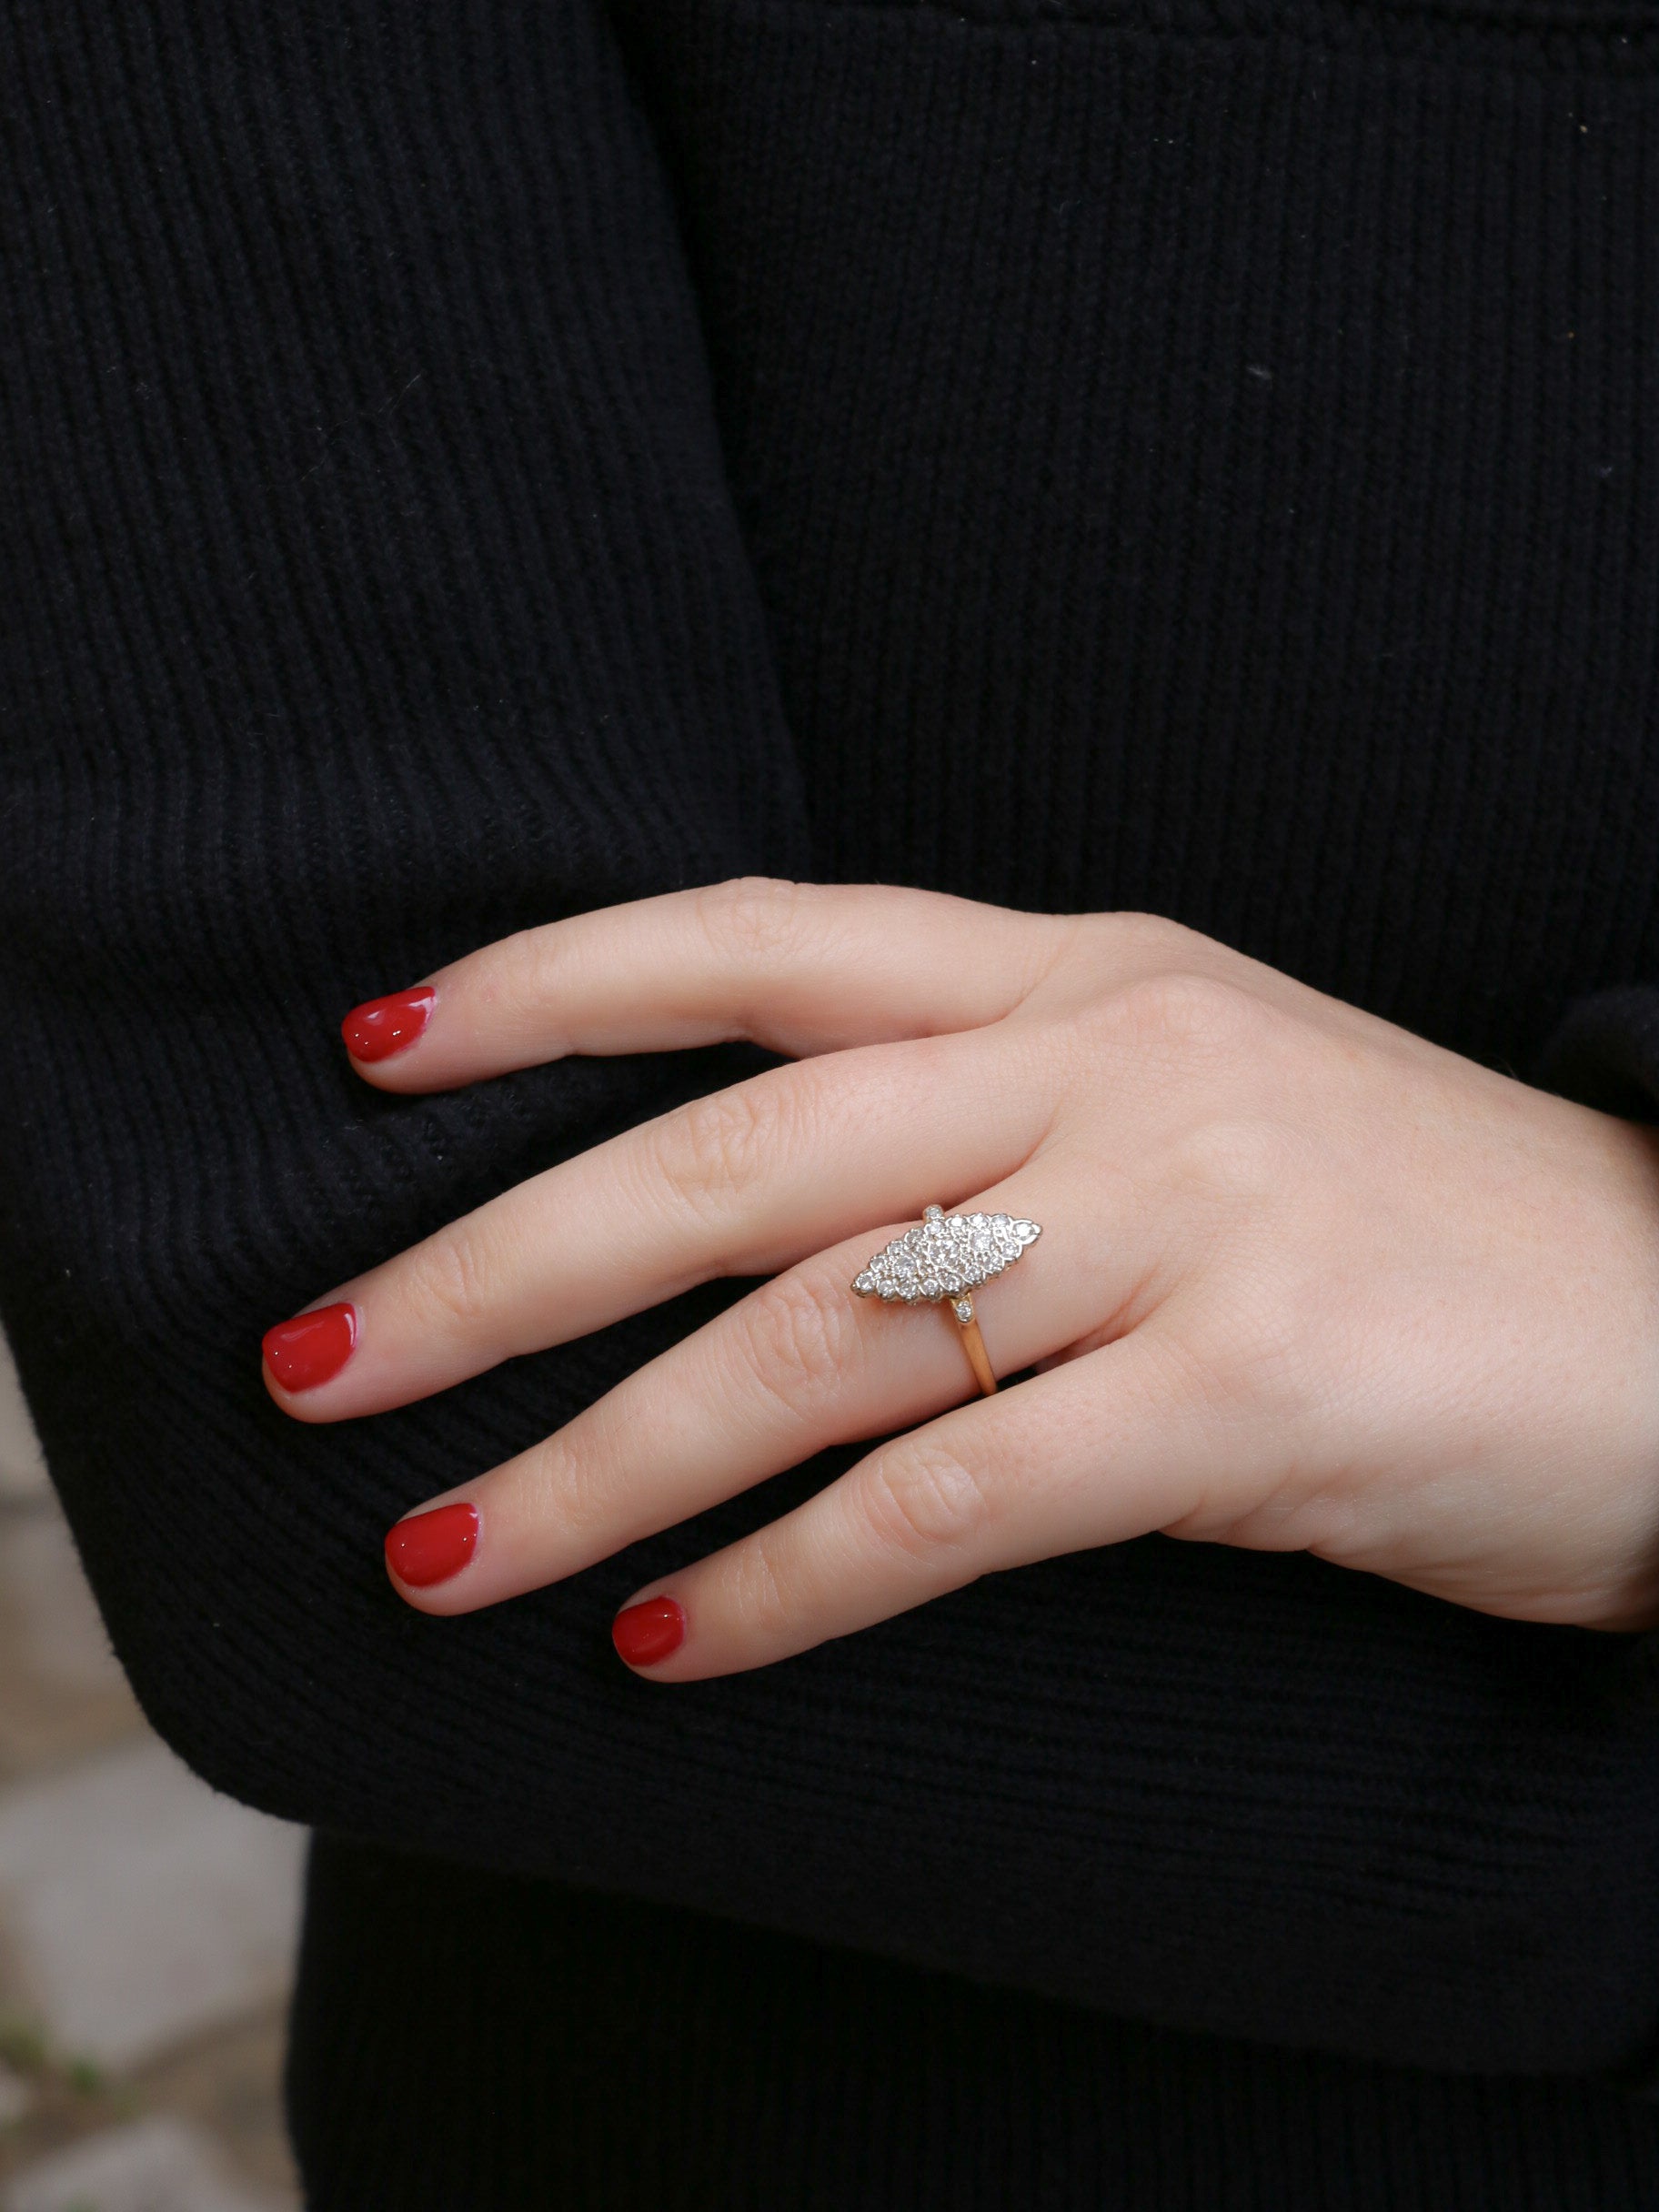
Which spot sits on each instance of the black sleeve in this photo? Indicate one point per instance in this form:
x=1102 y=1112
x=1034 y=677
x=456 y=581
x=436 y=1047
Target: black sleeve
x=1604 y=1052
x=368 y=588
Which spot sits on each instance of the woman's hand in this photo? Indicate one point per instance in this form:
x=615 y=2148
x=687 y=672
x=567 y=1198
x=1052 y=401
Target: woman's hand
x=1305 y=1281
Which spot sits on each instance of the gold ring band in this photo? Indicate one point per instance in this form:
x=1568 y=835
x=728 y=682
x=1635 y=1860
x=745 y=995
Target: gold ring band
x=973 y=1344
x=949 y=1256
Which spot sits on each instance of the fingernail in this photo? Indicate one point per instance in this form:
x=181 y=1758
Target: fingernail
x=649 y=1631
x=309 y=1349
x=380 y=1027
x=429 y=1548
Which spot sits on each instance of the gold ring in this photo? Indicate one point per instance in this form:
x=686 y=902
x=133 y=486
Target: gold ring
x=949 y=1256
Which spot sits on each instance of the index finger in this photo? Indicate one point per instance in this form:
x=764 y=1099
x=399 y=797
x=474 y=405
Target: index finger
x=800 y=968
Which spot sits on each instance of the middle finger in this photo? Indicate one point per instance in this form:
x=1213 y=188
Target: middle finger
x=745 y=1181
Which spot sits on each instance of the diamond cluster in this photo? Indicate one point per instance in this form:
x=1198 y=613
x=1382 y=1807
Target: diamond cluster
x=948 y=1255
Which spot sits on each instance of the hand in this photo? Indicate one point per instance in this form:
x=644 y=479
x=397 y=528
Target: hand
x=1306 y=1281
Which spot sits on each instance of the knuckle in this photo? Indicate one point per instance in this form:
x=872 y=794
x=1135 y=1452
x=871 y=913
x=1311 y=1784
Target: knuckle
x=453 y=1281
x=564 y=1484
x=1237 y=1164
x=754 y=921
x=925 y=1499
x=1253 y=1364
x=1188 y=1012
x=537 y=972
x=759 y=1594
x=516 y=985
x=800 y=1337
x=1154 y=942
x=713 y=1148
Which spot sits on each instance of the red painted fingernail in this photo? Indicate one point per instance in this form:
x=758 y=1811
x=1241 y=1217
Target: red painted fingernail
x=380 y=1027
x=430 y=1547
x=309 y=1349
x=649 y=1631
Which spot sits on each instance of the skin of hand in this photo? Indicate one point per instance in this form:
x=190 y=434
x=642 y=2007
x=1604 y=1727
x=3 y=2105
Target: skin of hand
x=1305 y=1281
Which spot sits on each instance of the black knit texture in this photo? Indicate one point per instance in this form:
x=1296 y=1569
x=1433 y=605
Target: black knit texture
x=467 y=464
x=677 y=2061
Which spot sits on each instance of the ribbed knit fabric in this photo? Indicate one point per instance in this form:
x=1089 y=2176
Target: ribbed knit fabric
x=474 y=463
x=633 y=2056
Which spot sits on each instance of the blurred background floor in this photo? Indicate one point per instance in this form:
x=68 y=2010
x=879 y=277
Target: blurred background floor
x=146 y=1926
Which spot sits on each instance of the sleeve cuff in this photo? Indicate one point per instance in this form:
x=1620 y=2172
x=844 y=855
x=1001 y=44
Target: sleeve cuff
x=1604 y=1052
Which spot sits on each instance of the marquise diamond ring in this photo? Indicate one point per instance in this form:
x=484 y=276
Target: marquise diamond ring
x=949 y=1256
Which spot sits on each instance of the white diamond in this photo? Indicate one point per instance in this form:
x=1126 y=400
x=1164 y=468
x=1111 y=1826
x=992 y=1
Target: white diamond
x=945 y=1256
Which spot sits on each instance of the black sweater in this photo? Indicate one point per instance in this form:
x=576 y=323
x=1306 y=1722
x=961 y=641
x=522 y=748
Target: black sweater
x=465 y=463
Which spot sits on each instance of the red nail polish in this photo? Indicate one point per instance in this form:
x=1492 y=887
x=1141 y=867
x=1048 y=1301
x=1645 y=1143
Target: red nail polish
x=430 y=1547
x=380 y=1027
x=312 y=1347
x=649 y=1631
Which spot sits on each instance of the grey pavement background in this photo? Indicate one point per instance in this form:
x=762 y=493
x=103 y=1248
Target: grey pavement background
x=146 y=1924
